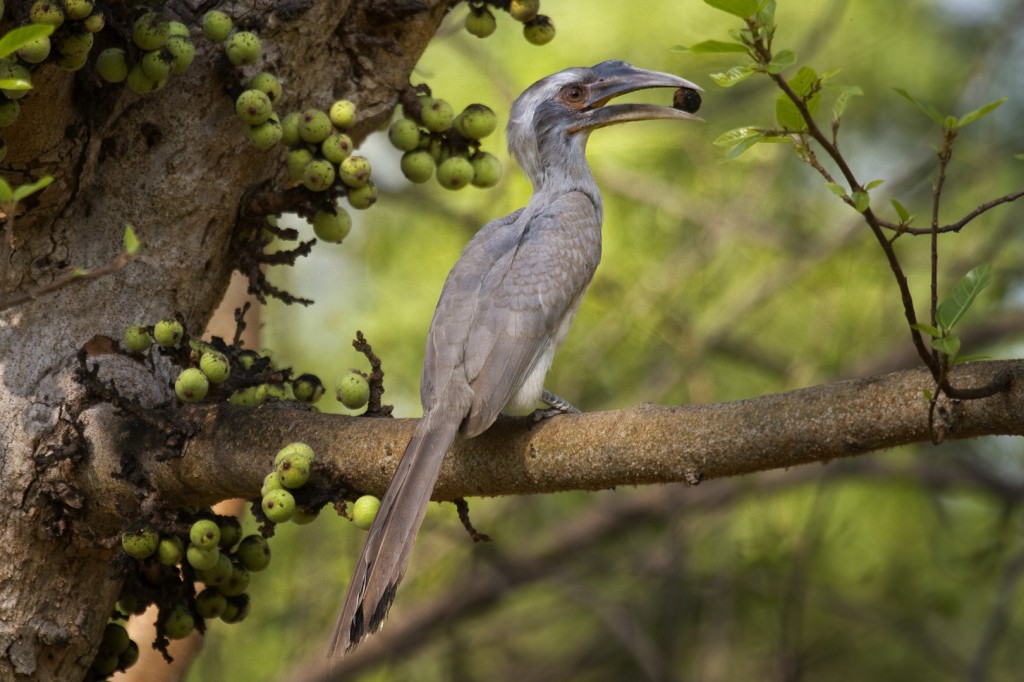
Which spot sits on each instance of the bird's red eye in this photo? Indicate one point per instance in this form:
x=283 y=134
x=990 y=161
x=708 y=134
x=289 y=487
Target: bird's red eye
x=573 y=94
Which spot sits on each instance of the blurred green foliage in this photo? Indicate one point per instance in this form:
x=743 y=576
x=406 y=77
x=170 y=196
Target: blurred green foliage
x=719 y=282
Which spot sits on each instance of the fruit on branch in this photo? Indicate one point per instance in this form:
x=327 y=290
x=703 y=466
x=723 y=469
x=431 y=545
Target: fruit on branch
x=332 y=225
x=137 y=338
x=253 y=107
x=204 y=534
x=480 y=22
x=539 y=31
x=314 y=126
x=168 y=333
x=268 y=84
x=336 y=148
x=486 y=170
x=191 y=386
x=217 y=26
x=523 y=10
x=182 y=51
x=318 y=175
x=363 y=197
x=342 y=114
x=150 y=31
x=243 y=48
x=355 y=171
x=352 y=390
x=404 y=134
x=140 y=543
x=112 y=65
x=476 y=122
x=364 y=511
x=278 y=505
x=437 y=115
x=455 y=172
x=417 y=166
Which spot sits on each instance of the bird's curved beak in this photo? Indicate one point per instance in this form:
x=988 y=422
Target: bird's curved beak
x=619 y=78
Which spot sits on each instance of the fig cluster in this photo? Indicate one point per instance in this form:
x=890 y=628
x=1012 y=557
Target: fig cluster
x=164 y=566
x=321 y=159
x=292 y=468
x=117 y=652
x=74 y=22
x=433 y=138
x=537 y=28
x=215 y=371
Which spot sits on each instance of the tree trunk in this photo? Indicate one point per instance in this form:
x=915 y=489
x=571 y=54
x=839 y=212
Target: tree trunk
x=176 y=165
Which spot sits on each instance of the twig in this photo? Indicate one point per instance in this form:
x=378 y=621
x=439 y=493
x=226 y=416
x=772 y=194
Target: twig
x=958 y=225
x=76 y=276
x=763 y=54
x=376 y=379
x=463 y=508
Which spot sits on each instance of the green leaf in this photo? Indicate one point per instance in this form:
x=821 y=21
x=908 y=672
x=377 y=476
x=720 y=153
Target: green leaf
x=18 y=37
x=861 y=200
x=766 y=15
x=948 y=345
x=739 y=139
x=927 y=109
x=843 y=99
x=15 y=84
x=973 y=116
x=836 y=189
x=737 y=8
x=952 y=309
x=788 y=115
x=927 y=329
x=714 y=46
x=782 y=61
x=826 y=76
x=733 y=76
x=743 y=146
x=1019 y=157
x=901 y=211
x=735 y=136
x=873 y=184
x=804 y=81
x=22 y=191
x=131 y=241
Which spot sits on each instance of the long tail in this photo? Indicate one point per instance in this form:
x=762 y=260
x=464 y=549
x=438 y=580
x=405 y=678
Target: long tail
x=389 y=542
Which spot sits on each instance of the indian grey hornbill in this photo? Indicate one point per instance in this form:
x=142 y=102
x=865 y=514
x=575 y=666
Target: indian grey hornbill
x=506 y=306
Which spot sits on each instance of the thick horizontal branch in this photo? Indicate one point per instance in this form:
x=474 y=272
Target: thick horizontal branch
x=234 y=447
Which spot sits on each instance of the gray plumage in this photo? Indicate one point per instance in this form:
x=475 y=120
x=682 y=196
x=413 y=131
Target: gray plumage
x=505 y=308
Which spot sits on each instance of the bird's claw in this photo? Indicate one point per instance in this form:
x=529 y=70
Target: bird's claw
x=555 y=407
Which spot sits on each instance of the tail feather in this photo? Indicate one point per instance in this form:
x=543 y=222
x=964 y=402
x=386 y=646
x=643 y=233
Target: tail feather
x=389 y=541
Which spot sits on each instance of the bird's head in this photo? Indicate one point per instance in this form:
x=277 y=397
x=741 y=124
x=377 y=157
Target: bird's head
x=550 y=121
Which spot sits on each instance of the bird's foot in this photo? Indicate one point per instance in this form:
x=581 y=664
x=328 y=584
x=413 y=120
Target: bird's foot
x=556 y=406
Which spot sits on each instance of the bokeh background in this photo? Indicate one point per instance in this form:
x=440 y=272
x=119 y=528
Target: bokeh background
x=720 y=281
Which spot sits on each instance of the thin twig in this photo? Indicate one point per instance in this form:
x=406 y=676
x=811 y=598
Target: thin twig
x=76 y=276
x=764 y=56
x=958 y=225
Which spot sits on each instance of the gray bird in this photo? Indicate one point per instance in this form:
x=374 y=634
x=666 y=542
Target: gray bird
x=505 y=308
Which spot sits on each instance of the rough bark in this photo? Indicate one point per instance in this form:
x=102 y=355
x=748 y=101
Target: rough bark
x=176 y=165
x=591 y=451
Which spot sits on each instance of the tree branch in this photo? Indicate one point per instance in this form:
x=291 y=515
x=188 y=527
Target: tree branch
x=635 y=446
